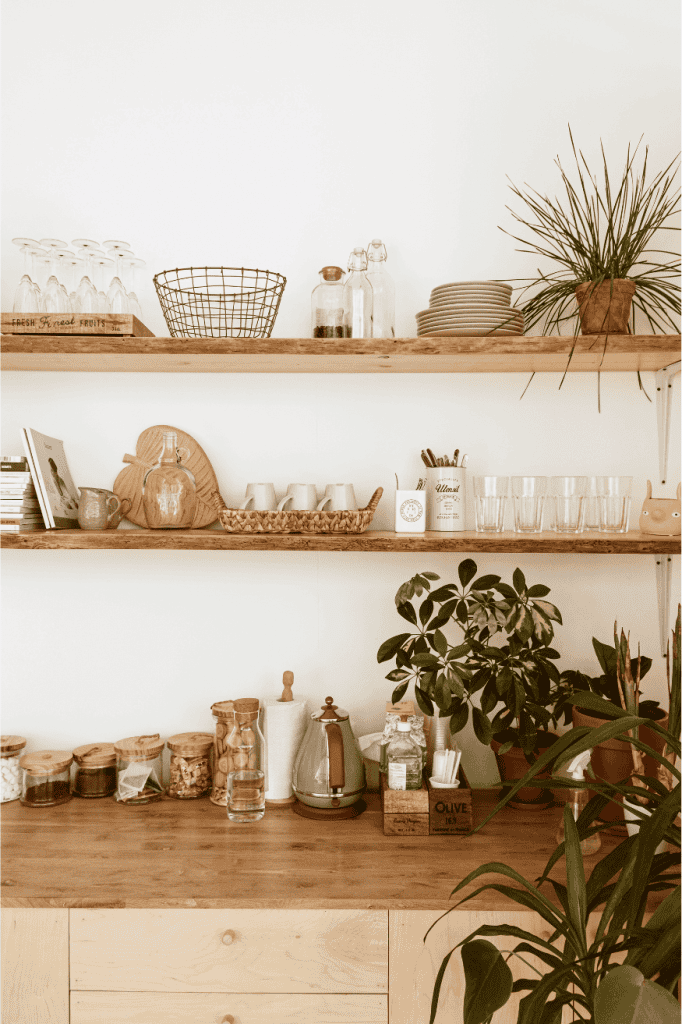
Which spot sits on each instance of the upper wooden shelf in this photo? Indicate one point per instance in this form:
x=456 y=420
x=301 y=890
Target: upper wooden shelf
x=372 y=540
x=348 y=355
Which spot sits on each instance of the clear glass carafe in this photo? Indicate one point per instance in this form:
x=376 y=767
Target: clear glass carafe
x=169 y=491
x=383 y=291
x=11 y=748
x=357 y=297
x=327 y=302
x=246 y=782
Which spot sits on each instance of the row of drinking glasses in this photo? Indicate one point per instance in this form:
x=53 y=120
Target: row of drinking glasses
x=89 y=280
x=569 y=504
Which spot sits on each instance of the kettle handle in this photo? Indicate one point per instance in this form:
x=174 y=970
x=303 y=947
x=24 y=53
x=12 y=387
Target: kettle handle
x=337 y=771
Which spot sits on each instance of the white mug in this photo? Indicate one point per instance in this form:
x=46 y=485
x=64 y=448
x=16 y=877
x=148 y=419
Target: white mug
x=262 y=496
x=339 y=497
x=303 y=498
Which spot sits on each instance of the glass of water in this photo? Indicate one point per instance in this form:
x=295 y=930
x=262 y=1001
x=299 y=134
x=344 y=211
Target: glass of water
x=614 y=503
x=246 y=795
x=490 y=501
x=528 y=496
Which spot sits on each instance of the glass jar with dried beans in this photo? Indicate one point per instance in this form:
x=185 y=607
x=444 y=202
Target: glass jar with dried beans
x=223 y=716
x=95 y=771
x=190 y=764
x=10 y=781
x=45 y=778
x=138 y=766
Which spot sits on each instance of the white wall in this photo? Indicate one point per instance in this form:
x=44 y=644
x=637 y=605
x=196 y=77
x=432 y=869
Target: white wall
x=281 y=135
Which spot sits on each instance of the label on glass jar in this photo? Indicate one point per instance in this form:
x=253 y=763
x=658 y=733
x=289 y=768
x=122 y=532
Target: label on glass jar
x=397 y=775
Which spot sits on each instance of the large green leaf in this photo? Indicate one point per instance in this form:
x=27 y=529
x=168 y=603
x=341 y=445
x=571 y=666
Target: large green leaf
x=625 y=996
x=482 y=727
x=519 y=581
x=466 y=571
x=407 y=611
x=389 y=648
x=488 y=981
x=575 y=878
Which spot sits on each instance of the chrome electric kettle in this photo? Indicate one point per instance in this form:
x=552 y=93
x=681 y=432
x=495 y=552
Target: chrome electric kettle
x=329 y=773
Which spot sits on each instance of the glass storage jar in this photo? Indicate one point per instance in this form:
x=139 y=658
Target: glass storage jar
x=223 y=716
x=327 y=303
x=95 y=771
x=190 y=764
x=138 y=765
x=10 y=780
x=45 y=778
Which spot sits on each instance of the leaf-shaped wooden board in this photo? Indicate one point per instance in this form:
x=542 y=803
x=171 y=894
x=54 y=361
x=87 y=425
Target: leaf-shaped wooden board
x=128 y=483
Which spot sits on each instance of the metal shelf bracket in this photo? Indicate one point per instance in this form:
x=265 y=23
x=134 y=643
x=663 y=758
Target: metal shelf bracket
x=664 y=386
x=663 y=576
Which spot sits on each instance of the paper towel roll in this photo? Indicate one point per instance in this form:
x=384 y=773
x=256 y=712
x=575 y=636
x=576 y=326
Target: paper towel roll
x=284 y=723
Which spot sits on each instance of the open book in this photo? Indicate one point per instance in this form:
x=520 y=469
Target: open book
x=57 y=494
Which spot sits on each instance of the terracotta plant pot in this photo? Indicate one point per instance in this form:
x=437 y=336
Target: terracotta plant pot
x=513 y=765
x=612 y=760
x=603 y=310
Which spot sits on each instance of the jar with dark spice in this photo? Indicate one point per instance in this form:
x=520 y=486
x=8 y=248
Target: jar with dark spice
x=138 y=766
x=95 y=772
x=45 y=778
x=190 y=764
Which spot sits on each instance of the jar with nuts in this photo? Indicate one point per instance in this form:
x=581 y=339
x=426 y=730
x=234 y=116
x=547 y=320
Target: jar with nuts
x=223 y=716
x=190 y=764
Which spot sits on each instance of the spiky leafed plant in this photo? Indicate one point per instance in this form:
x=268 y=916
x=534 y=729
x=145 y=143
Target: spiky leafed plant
x=598 y=233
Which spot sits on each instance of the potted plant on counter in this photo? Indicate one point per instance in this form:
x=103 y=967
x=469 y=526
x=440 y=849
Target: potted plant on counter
x=612 y=758
x=503 y=657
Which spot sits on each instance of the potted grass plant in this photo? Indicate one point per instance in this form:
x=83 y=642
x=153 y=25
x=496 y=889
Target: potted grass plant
x=500 y=670
x=603 y=238
x=616 y=968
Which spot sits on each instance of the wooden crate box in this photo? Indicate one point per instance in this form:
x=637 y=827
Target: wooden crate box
x=427 y=811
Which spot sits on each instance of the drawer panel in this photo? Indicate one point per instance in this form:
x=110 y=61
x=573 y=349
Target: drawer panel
x=229 y=950
x=35 y=966
x=215 y=1008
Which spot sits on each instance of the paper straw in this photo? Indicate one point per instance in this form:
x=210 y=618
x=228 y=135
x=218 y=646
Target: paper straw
x=456 y=767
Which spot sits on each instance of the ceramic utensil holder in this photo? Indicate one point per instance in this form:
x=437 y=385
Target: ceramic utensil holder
x=445 y=498
x=410 y=511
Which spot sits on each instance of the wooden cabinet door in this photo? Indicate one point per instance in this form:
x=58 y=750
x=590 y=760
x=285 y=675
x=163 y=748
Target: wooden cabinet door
x=259 y=951
x=35 y=966
x=224 y=1008
x=415 y=964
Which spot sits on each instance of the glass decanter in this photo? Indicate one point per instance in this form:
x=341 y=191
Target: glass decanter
x=383 y=291
x=169 y=491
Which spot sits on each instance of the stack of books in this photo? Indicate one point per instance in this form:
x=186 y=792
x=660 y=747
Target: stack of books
x=19 y=506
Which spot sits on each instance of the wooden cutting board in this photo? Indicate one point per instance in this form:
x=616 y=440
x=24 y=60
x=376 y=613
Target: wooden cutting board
x=128 y=483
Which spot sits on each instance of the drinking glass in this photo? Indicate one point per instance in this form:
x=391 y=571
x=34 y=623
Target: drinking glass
x=568 y=500
x=591 y=518
x=614 y=503
x=53 y=297
x=86 y=297
x=490 y=501
x=26 y=299
x=117 y=300
x=246 y=795
x=528 y=494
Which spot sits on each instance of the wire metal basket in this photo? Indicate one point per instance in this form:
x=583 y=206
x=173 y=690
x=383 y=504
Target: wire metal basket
x=219 y=302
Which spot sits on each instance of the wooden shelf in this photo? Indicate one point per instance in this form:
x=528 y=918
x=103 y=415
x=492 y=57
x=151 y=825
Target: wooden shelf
x=372 y=540
x=348 y=355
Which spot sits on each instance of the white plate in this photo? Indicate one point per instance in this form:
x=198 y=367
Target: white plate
x=463 y=332
x=470 y=321
x=475 y=284
x=466 y=307
x=466 y=289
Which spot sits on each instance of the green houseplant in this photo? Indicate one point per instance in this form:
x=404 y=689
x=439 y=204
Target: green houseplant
x=503 y=655
x=602 y=236
x=583 y=973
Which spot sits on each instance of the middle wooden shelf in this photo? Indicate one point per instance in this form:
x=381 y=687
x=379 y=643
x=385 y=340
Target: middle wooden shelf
x=633 y=543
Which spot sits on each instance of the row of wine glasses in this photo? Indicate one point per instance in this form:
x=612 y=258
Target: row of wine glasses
x=88 y=279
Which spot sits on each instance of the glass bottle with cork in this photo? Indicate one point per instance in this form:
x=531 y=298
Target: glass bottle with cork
x=95 y=770
x=169 y=491
x=327 y=300
x=246 y=781
x=577 y=801
x=404 y=756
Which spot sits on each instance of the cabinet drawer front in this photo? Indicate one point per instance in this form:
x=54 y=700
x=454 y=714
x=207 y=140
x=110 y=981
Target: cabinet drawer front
x=214 y=1008
x=229 y=950
x=35 y=966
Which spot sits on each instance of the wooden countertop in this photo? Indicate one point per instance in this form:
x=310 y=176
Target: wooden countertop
x=97 y=853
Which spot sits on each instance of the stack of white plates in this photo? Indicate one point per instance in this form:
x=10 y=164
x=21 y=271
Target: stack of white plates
x=472 y=309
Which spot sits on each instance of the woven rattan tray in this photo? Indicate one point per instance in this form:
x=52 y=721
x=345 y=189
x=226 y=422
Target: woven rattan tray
x=241 y=520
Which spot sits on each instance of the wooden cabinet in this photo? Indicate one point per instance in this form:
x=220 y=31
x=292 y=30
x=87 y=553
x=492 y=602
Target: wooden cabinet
x=35 y=966
x=205 y=1008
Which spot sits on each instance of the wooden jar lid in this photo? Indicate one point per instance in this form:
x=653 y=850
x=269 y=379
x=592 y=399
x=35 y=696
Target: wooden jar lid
x=95 y=755
x=190 y=743
x=246 y=706
x=223 y=709
x=46 y=762
x=140 y=746
x=10 y=744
